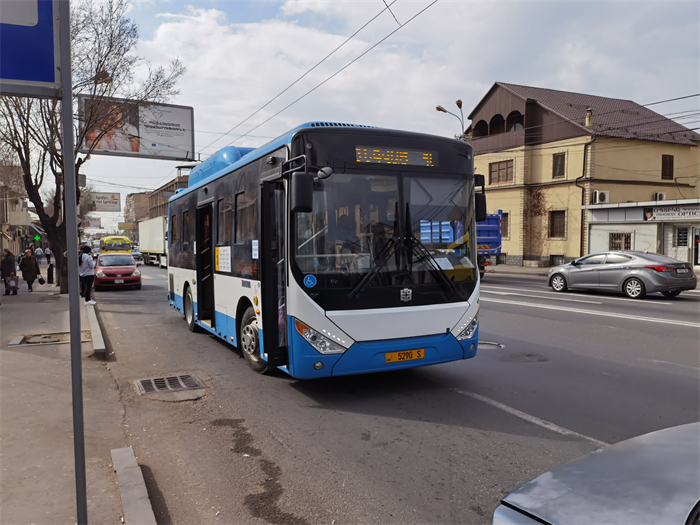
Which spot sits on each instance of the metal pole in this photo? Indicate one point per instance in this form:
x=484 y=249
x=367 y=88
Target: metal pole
x=69 y=184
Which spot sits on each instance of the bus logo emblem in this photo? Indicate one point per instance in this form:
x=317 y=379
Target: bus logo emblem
x=406 y=295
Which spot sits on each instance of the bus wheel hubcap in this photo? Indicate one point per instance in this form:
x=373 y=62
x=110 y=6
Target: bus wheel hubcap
x=249 y=339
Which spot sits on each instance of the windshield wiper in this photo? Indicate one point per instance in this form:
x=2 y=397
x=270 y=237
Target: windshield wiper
x=382 y=258
x=417 y=248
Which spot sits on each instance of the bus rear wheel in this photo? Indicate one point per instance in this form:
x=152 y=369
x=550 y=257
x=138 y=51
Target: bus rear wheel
x=249 y=338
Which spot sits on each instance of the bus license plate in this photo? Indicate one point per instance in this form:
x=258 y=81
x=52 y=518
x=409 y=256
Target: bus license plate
x=118 y=281
x=406 y=355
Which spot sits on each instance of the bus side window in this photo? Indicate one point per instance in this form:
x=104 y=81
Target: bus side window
x=224 y=222
x=245 y=216
x=186 y=232
x=174 y=227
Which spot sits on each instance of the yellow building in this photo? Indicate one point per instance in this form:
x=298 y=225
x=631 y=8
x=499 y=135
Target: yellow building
x=548 y=154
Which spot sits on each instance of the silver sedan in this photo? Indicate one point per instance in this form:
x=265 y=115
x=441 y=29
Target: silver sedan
x=633 y=273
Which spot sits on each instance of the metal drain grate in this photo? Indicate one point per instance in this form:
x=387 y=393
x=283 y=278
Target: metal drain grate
x=168 y=384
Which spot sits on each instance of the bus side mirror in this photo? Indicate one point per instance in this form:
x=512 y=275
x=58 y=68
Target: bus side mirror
x=480 y=205
x=301 y=192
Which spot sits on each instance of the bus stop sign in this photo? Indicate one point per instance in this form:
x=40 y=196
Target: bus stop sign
x=29 y=48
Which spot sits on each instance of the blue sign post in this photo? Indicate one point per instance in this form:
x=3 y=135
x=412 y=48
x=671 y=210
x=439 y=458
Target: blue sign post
x=30 y=49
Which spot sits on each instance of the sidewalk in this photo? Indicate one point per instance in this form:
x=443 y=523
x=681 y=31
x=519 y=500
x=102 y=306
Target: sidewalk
x=523 y=271
x=37 y=480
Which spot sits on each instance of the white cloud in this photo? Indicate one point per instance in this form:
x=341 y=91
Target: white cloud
x=641 y=51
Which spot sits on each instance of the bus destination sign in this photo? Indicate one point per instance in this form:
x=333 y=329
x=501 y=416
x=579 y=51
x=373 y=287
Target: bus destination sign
x=403 y=157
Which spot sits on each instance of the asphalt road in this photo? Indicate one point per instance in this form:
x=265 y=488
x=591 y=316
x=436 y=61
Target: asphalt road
x=440 y=444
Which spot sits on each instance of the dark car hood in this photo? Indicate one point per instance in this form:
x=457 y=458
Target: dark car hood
x=654 y=478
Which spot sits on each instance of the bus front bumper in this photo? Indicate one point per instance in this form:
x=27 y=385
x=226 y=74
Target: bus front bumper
x=372 y=356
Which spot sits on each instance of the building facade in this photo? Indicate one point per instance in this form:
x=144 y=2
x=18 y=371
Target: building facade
x=548 y=154
x=158 y=199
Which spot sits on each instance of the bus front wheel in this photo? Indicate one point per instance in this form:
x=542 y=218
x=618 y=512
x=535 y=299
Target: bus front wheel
x=189 y=311
x=249 y=338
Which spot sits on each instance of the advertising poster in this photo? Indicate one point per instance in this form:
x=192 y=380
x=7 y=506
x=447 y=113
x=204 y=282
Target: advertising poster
x=124 y=128
x=105 y=202
x=92 y=222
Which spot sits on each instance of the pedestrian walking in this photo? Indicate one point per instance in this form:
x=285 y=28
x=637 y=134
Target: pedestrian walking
x=38 y=253
x=8 y=269
x=87 y=274
x=48 y=253
x=29 y=267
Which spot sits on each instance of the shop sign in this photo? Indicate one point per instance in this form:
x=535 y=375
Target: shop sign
x=664 y=213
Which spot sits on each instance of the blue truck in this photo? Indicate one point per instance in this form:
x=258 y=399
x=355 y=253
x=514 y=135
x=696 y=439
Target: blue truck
x=488 y=240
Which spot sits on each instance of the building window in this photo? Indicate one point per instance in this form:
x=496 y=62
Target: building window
x=515 y=121
x=223 y=227
x=680 y=237
x=620 y=241
x=245 y=216
x=505 y=226
x=667 y=167
x=501 y=172
x=497 y=125
x=481 y=129
x=558 y=165
x=557 y=224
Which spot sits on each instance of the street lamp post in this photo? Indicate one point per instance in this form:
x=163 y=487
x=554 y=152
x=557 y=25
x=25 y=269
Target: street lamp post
x=461 y=119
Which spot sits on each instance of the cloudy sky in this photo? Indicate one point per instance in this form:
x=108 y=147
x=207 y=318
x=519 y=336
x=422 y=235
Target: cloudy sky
x=241 y=54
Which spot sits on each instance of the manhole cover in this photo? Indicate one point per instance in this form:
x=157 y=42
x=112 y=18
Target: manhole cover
x=55 y=338
x=168 y=384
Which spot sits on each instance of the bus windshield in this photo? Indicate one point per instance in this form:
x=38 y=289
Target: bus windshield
x=373 y=230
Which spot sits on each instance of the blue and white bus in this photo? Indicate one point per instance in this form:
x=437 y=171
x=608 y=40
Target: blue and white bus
x=334 y=249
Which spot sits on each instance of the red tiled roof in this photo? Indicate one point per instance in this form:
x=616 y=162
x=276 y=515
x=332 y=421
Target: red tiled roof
x=612 y=117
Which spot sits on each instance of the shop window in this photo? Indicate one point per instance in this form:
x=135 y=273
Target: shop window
x=620 y=241
x=680 y=237
x=505 y=225
x=667 y=167
x=558 y=165
x=501 y=172
x=557 y=224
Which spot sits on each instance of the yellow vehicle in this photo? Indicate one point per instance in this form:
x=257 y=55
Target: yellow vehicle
x=115 y=244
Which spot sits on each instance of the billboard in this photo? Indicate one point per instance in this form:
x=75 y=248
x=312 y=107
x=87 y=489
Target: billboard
x=92 y=222
x=29 y=48
x=125 y=226
x=125 y=128
x=105 y=202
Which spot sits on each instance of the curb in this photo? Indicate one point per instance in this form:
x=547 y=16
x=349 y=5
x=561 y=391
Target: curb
x=132 y=487
x=98 y=342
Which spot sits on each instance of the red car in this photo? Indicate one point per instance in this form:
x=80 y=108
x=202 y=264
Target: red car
x=117 y=270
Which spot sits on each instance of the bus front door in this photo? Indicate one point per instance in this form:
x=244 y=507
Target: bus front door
x=274 y=273
x=205 y=266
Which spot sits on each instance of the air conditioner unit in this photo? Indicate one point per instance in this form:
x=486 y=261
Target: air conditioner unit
x=601 y=197
x=659 y=196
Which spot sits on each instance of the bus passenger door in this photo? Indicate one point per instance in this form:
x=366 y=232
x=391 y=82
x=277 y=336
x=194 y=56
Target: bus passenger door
x=205 y=265
x=274 y=272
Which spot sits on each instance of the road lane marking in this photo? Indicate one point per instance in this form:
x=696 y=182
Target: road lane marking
x=578 y=295
x=674 y=364
x=594 y=312
x=163 y=276
x=531 y=419
x=540 y=297
x=146 y=277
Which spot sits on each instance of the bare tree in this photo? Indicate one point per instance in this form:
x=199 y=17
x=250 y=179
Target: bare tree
x=104 y=68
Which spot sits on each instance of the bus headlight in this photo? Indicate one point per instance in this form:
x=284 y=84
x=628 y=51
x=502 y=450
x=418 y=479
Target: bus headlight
x=468 y=330
x=321 y=343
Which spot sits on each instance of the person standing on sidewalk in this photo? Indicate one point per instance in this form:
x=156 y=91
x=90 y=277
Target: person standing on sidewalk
x=30 y=268
x=39 y=253
x=48 y=254
x=8 y=267
x=87 y=274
